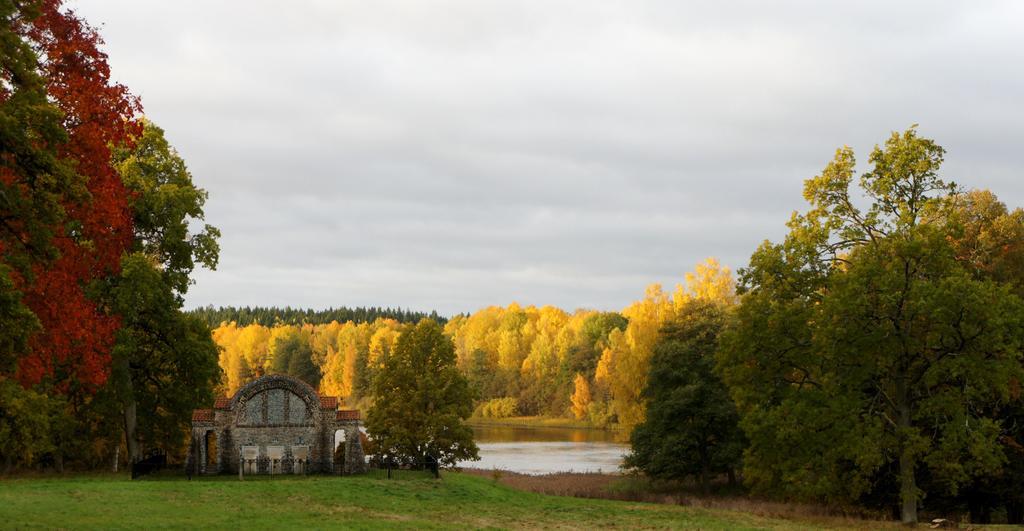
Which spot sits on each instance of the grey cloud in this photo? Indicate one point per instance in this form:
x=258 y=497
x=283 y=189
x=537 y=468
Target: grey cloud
x=457 y=154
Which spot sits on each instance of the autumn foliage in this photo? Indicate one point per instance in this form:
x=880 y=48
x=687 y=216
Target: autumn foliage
x=92 y=227
x=521 y=360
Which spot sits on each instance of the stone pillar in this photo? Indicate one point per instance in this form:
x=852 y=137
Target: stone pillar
x=327 y=445
x=224 y=447
x=202 y=451
x=355 y=460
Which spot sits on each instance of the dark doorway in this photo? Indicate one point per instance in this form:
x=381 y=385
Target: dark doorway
x=211 y=452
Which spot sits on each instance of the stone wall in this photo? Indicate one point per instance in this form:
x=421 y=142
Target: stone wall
x=275 y=411
x=287 y=436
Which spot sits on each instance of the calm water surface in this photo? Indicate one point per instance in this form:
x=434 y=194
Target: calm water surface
x=529 y=450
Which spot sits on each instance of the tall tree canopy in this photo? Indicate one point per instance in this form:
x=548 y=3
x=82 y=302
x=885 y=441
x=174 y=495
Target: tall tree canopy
x=165 y=204
x=421 y=401
x=164 y=361
x=691 y=428
x=866 y=355
x=988 y=238
x=64 y=219
x=626 y=361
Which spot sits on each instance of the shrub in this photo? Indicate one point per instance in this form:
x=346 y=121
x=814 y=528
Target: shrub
x=600 y=414
x=498 y=408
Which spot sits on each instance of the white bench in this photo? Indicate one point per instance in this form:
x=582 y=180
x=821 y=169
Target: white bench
x=299 y=456
x=276 y=456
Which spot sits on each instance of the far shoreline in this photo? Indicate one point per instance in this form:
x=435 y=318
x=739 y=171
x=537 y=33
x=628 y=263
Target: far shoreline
x=539 y=422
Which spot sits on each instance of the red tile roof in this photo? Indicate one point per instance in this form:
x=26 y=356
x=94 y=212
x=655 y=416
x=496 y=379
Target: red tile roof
x=347 y=414
x=222 y=403
x=328 y=402
x=202 y=415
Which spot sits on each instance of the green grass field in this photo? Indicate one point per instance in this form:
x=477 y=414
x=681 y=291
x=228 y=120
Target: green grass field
x=456 y=500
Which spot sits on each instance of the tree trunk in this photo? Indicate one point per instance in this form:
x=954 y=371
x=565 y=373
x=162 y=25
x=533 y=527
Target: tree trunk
x=130 y=427
x=908 y=484
x=908 y=490
x=979 y=509
x=732 y=477
x=1014 y=512
x=131 y=439
x=705 y=478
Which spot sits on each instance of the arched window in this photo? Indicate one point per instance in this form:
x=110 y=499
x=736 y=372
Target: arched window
x=275 y=407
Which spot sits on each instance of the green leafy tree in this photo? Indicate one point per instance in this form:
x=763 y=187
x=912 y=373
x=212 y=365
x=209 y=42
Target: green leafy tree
x=17 y=323
x=164 y=361
x=25 y=424
x=165 y=204
x=36 y=185
x=421 y=401
x=293 y=355
x=34 y=179
x=862 y=345
x=691 y=428
x=301 y=366
x=988 y=238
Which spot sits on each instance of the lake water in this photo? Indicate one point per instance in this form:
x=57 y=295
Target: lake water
x=529 y=450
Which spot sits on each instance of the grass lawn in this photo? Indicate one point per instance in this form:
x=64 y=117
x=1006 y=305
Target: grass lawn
x=456 y=500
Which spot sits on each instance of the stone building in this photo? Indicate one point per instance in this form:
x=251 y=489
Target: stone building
x=276 y=424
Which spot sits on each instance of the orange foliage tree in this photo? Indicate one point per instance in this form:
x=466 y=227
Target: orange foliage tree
x=93 y=227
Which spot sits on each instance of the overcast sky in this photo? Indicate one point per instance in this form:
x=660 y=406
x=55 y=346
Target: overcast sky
x=454 y=155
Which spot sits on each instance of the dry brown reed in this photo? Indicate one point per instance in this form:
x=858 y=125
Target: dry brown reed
x=639 y=489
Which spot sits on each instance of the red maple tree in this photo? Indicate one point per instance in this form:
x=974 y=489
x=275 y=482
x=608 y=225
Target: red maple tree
x=73 y=347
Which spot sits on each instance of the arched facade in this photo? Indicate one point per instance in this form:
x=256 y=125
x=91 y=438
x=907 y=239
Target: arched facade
x=282 y=424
